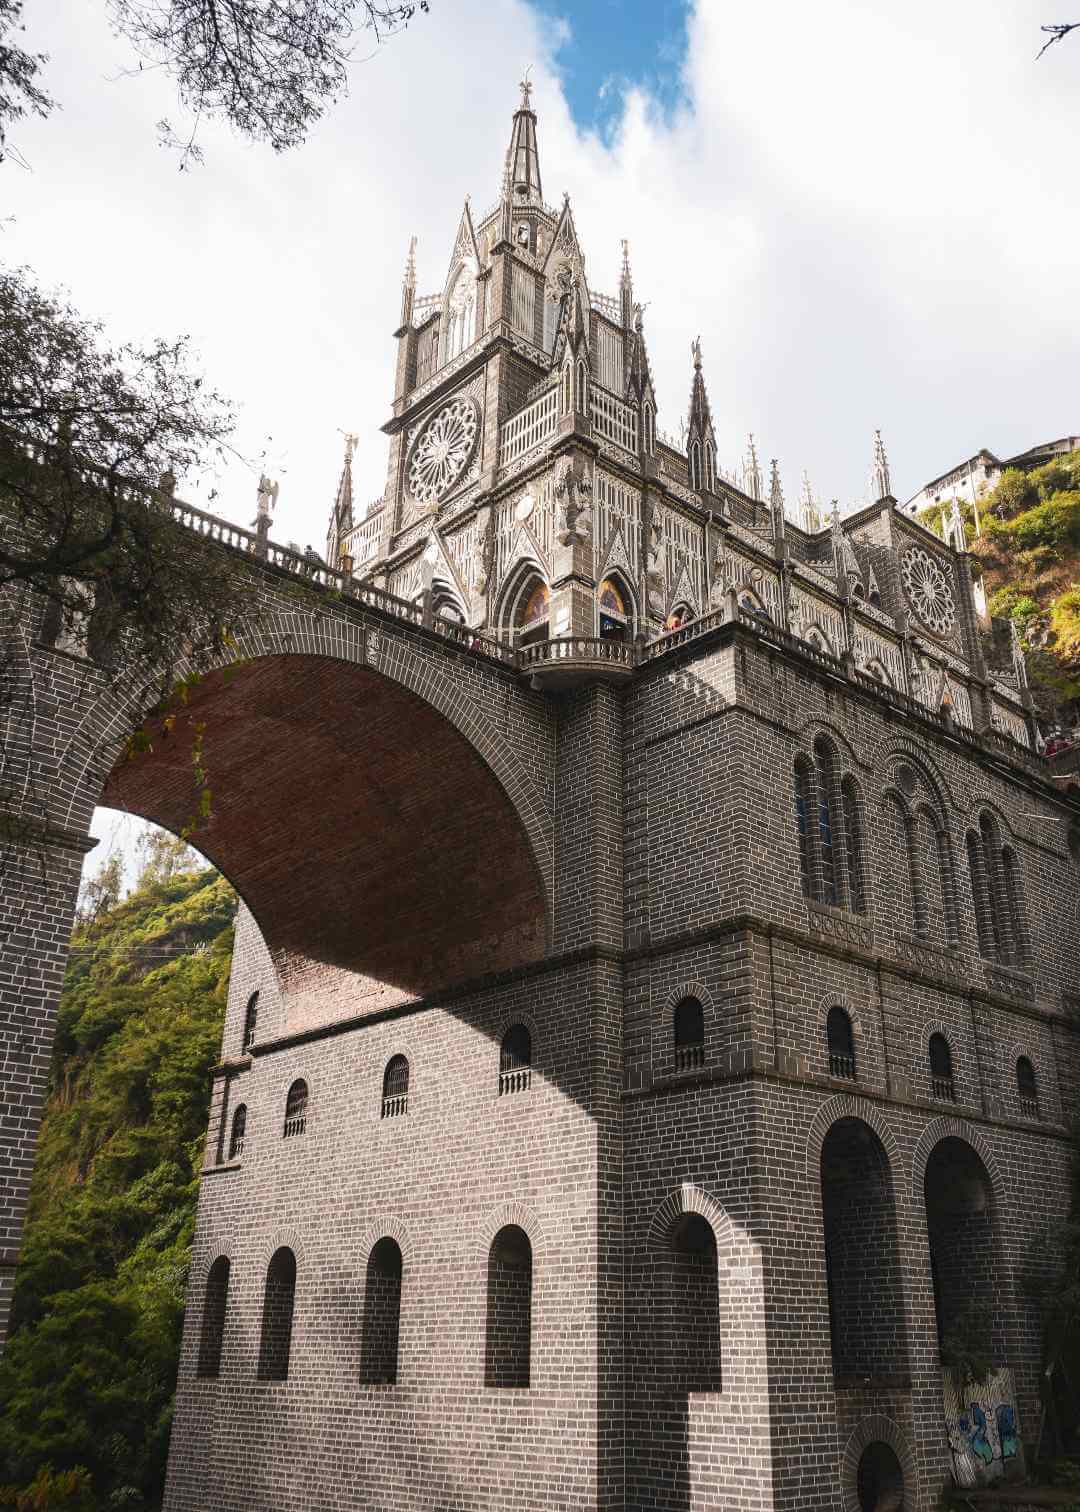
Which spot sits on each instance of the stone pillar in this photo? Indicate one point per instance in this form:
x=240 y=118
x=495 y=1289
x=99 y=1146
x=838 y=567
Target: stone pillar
x=573 y=577
x=39 y=886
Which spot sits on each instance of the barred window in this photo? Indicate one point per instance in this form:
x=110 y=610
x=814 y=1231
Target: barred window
x=689 y=1027
x=841 y=1042
x=515 y=1060
x=941 y=1068
x=395 y=1097
x=296 y=1110
x=239 y=1128
x=1027 y=1087
x=212 y=1334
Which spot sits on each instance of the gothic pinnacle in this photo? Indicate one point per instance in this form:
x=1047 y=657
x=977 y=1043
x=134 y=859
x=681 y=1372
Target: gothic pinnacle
x=880 y=483
x=752 y=470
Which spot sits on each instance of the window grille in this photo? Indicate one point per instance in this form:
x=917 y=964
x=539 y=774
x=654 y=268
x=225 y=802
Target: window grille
x=395 y=1098
x=279 y=1300
x=251 y=1016
x=212 y=1335
x=689 y=1028
x=515 y=1061
x=941 y=1069
x=296 y=1106
x=529 y=427
x=239 y=1126
x=1027 y=1088
x=841 y=1043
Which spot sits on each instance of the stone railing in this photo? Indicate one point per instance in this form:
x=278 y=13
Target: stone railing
x=576 y=648
x=612 y=419
x=604 y=304
x=529 y=427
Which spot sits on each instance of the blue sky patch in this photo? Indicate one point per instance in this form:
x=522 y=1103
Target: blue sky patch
x=613 y=44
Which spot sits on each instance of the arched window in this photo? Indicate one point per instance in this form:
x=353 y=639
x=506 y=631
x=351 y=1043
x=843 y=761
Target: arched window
x=515 y=1060
x=567 y=389
x=841 y=1043
x=710 y=468
x=960 y=1229
x=382 y=1315
x=853 y=845
x=693 y=1305
x=648 y=428
x=689 y=1030
x=251 y=1015
x=826 y=826
x=530 y=609
x=941 y=1070
x=296 y=1109
x=999 y=908
x=460 y=313
x=239 y=1127
x=948 y=886
x=804 y=808
x=1014 y=898
x=1027 y=1088
x=279 y=1300
x=695 y=464
x=212 y=1334
x=612 y=611
x=395 y=1087
x=980 y=892
x=508 y=1343
x=581 y=397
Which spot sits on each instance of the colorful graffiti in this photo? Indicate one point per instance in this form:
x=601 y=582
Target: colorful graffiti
x=983 y=1428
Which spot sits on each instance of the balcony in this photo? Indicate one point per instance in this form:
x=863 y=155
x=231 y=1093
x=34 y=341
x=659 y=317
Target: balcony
x=572 y=660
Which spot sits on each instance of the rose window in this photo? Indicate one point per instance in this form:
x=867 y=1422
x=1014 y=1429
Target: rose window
x=928 y=590
x=443 y=451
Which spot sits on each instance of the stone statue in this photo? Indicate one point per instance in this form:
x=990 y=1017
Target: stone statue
x=573 y=493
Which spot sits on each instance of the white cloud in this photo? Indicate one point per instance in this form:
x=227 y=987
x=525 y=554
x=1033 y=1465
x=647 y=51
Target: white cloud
x=866 y=212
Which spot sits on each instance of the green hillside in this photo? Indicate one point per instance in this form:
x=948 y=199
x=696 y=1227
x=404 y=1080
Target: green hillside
x=88 y=1374
x=1029 y=553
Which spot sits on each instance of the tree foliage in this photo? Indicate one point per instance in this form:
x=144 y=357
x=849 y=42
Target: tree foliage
x=20 y=93
x=88 y=1374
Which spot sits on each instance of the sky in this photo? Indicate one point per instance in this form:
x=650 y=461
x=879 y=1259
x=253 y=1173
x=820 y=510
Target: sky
x=867 y=212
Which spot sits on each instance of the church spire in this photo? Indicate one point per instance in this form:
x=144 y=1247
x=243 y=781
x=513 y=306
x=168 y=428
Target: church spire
x=700 y=438
x=626 y=289
x=880 y=484
x=777 y=508
x=522 y=176
x=341 y=516
x=408 y=284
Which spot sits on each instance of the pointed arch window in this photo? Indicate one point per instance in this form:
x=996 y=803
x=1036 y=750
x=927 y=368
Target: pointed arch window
x=942 y=1084
x=689 y=1034
x=1014 y=900
x=296 y=1110
x=695 y=464
x=460 y=313
x=515 y=1060
x=980 y=891
x=212 y=1333
x=279 y=1300
x=648 y=428
x=827 y=829
x=251 y=1018
x=239 y=1129
x=841 y=1042
x=1027 y=1088
x=567 y=389
x=382 y=1315
x=851 y=806
x=581 y=396
x=1000 y=922
x=395 y=1096
x=710 y=468
x=612 y=613
x=804 y=809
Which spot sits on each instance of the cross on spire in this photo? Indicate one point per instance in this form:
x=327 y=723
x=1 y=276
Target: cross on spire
x=522 y=177
x=526 y=90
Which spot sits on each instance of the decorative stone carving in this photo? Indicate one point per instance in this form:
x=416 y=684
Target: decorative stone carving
x=573 y=492
x=927 y=589
x=443 y=450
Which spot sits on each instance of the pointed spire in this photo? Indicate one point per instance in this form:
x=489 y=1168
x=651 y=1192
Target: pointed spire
x=701 y=440
x=880 y=484
x=408 y=284
x=776 y=495
x=809 y=510
x=523 y=158
x=700 y=418
x=341 y=516
x=626 y=289
x=752 y=471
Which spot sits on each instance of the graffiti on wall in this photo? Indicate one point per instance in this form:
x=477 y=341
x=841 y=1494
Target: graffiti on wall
x=983 y=1428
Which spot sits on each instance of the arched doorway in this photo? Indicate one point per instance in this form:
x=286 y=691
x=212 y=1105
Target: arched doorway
x=880 y=1480
x=960 y=1230
x=862 y=1255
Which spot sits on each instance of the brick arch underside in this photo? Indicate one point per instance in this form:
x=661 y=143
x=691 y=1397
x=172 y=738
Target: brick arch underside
x=366 y=834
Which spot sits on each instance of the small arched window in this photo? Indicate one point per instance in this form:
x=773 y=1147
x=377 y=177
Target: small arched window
x=395 y=1089
x=251 y=1016
x=508 y=1345
x=689 y=1030
x=826 y=825
x=239 y=1128
x=1027 y=1088
x=581 y=397
x=279 y=1299
x=296 y=1110
x=1014 y=899
x=853 y=845
x=694 y=1305
x=710 y=468
x=567 y=389
x=804 y=808
x=941 y=1069
x=212 y=1333
x=648 y=428
x=948 y=885
x=999 y=910
x=980 y=892
x=841 y=1042
x=695 y=464
x=515 y=1060
x=382 y=1315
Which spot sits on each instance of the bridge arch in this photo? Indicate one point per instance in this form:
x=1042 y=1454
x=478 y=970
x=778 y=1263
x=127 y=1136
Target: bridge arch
x=366 y=807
